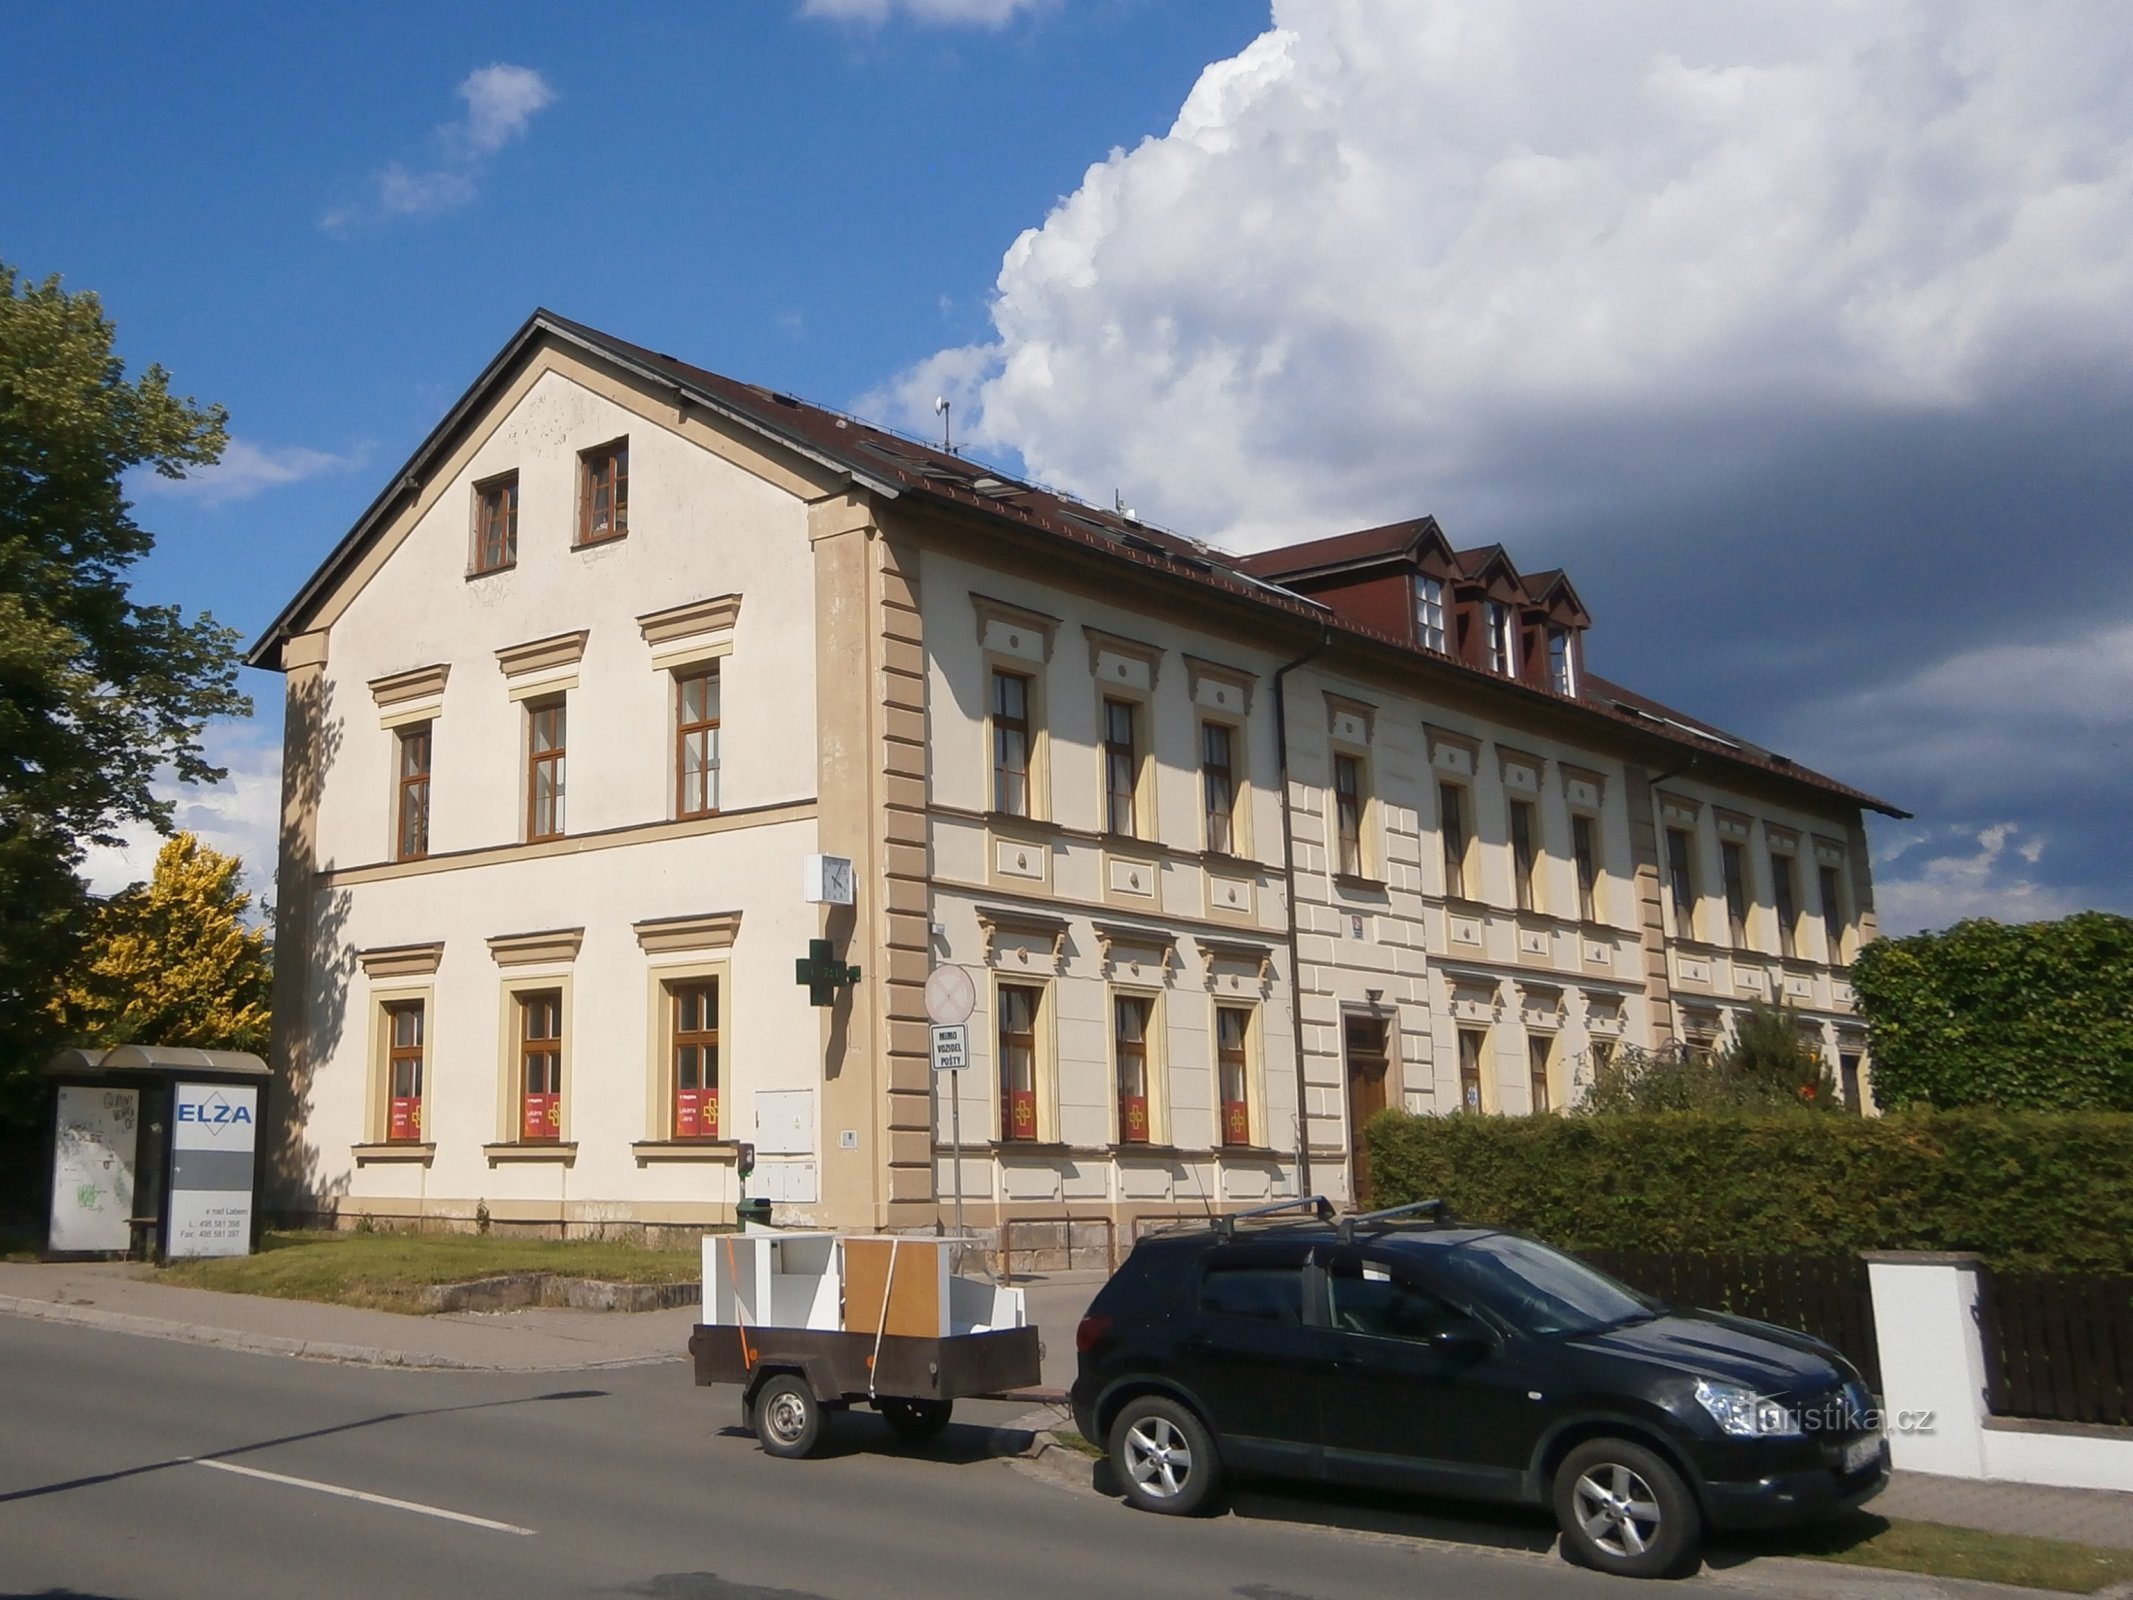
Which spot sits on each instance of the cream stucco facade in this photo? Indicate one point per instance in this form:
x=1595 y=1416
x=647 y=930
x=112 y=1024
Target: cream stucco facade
x=1010 y=716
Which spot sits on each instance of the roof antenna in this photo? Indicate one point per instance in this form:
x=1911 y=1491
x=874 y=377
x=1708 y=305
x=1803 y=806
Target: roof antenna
x=1118 y=504
x=940 y=409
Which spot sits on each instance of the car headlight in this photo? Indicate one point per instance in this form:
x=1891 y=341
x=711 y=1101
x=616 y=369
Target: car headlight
x=1743 y=1413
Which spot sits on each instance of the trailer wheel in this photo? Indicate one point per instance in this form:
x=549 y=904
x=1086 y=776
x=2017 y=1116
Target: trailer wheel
x=915 y=1420
x=788 y=1418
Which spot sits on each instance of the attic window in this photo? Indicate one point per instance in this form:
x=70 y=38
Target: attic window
x=1429 y=612
x=1562 y=663
x=1503 y=643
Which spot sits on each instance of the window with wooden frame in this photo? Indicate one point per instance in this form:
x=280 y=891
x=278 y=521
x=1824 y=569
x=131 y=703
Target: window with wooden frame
x=411 y=829
x=546 y=750
x=1019 y=1007
x=1584 y=849
x=1540 y=1048
x=1218 y=786
x=1233 y=1031
x=496 y=524
x=1429 y=613
x=1130 y=1016
x=1122 y=768
x=1011 y=743
x=404 y=1028
x=1832 y=885
x=692 y=1017
x=604 y=493
x=1348 y=815
x=1452 y=833
x=1502 y=639
x=1601 y=1052
x=1524 y=828
x=696 y=741
x=1734 y=873
x=1681 y=880
x=1562 y=663
x=1785 y=898
x=540 y=1065
x=1472 y=1043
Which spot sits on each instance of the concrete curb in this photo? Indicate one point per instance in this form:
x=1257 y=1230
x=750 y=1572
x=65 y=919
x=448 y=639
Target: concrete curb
x=358 y=1355
x=226 y=1338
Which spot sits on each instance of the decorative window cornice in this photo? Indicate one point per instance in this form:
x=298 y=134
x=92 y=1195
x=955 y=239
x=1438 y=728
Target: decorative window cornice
x=399 y=688
x=1240 y=952
x=719 y=614
x=548 y=947
x=1216 y=687
x=712 y=931
x=1350 y=721
x=996 y=922
x=1019 y=625
x=543 y=655
x=1125 y=944
x=1125 y=653
x=401 y=960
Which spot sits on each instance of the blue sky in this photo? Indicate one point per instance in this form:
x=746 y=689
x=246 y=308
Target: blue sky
x=1797 y=332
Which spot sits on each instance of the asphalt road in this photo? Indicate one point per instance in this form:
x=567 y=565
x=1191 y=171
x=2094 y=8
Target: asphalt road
x=138 y=1469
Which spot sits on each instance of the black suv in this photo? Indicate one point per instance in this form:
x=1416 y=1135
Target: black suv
x=1394 y=1351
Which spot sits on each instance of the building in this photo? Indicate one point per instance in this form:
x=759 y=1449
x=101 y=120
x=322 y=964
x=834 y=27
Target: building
x=1239 y=850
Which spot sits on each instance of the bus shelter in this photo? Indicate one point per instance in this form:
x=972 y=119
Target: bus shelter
x=154 y=1152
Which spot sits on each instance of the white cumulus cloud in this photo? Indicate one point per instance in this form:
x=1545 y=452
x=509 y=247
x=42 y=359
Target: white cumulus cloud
x=501 y=102
x=1403 y=256
x=1932 y=883
x=239 y=816
x=247 y=469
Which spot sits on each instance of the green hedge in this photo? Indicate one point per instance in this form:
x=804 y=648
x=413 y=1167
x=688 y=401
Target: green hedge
x=2046 y=1191
x=2037 y=1016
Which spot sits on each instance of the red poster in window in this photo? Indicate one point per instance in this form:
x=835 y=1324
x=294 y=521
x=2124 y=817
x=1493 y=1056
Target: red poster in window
x=541 y=1117
x=1022 y=1113
x=1236 y=1122
x=1133 y=1119
x=406 y=1118
x=696 y=1113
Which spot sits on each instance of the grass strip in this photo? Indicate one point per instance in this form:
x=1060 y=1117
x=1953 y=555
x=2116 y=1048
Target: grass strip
x=390 y=1271
x=1938 y=1550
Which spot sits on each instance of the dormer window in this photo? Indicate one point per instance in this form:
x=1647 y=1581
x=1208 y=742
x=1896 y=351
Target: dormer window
x=1562 y=664
x=1429 y=613
x=1503 y=643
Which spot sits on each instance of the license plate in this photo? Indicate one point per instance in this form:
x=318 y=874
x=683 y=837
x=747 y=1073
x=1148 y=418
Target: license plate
x=1861 y=1453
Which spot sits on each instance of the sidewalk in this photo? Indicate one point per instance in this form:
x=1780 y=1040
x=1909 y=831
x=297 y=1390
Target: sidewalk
x=116 y=1296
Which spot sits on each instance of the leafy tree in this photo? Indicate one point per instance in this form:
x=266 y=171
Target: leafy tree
x=1765 y=1066
x=97 y=692
x=172 y=962
x=2036 y=1016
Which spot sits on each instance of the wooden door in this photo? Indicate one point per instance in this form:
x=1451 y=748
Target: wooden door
x=1367 y=1063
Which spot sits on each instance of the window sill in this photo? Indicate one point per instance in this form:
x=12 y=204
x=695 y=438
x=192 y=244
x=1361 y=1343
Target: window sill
x=1015 y=821
x=720 y=1150
x=1251 y=1152
x=474 y=573
x=604 y=539
x=410 y=1151
x=560 y=1150
x=1356 y=883
x=1224 y=861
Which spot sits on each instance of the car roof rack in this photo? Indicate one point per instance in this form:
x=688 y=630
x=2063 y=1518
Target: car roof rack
x=1439 y=1213
x=1318 y=1205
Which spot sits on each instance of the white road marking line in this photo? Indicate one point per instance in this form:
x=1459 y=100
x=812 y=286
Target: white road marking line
x=359 y=1494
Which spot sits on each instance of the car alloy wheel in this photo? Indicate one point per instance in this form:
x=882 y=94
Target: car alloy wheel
x=1164 y=1457
x=1624 y=1509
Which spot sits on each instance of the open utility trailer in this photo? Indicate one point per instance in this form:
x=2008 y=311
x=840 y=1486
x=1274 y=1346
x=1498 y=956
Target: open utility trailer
x=813 y=1323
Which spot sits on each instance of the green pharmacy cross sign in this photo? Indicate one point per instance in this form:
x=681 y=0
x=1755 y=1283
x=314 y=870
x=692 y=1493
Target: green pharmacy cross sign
x=822 y=972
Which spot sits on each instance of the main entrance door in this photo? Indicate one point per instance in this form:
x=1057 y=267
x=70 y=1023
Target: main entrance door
x=1367 y=1061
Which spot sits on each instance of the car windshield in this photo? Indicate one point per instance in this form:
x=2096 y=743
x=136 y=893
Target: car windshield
x=1536 y=1289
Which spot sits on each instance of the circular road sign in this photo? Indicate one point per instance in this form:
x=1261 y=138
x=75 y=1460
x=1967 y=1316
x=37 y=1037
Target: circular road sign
x=950 y=995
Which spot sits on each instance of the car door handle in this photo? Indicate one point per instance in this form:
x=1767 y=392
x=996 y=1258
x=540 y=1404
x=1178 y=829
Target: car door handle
x=1199 y=1345
x=1345 y=1363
